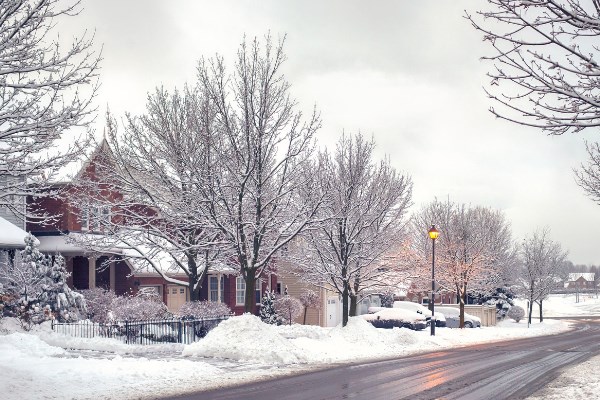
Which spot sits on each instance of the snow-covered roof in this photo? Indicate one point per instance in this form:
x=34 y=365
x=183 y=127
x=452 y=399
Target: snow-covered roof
x=588 y=276
x=58 y=244
x=11 y=236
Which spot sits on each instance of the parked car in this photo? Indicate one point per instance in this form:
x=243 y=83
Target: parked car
x=453 y=318
x=396 y=318
x=440 y=320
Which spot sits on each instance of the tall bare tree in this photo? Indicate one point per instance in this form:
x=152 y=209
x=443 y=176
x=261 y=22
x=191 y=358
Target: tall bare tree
x=252 y=191
x=542 y=266
x=144 y=193
x=472 y=250
x=46 y=92
x=362 y=218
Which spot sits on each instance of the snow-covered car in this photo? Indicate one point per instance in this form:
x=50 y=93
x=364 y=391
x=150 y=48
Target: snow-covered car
x=396 y=317
x=440 y=320
x=453 y=318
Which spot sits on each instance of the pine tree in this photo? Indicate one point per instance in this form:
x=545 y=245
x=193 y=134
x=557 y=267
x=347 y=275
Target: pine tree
x=37 y=287
x=267 y=309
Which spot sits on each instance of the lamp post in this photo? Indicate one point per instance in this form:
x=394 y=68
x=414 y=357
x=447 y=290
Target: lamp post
x=433 y=234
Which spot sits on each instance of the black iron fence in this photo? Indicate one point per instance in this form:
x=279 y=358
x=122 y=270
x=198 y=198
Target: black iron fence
x=152 y=331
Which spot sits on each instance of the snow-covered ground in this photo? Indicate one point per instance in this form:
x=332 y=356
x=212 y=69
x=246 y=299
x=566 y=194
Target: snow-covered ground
x=564 y=305
x=42 y=364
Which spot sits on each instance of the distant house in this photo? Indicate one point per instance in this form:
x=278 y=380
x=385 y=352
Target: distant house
x=581 y=280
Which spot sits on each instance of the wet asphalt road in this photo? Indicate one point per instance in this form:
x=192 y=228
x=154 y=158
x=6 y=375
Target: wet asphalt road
x=506 y=370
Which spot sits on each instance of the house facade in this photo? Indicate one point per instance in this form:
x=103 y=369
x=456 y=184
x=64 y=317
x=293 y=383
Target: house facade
x=117 y=273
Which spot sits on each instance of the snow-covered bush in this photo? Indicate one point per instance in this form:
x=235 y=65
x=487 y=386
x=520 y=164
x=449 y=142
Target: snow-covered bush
x=35 y=288
x=267 y=313
x=309 y=299
x=516 y=313
x=204 y=309
x=135 y=308
x=288 y=308
x=99 y=303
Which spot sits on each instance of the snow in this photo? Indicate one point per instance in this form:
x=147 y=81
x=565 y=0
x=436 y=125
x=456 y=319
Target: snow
x=11 y=236
x=42 y=364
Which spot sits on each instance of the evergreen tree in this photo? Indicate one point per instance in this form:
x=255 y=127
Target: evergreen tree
x=36 y=287
x=267 y=309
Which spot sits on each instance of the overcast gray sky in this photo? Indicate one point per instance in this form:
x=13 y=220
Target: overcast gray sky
x=407 y=72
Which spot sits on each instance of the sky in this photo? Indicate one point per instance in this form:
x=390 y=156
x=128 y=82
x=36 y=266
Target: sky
x=408 y=73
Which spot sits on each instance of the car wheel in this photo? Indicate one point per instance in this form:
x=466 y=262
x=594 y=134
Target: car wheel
x=468 y=324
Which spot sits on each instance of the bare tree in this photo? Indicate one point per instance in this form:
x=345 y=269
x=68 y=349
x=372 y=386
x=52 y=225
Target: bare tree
x=362 y=221
x=545 y=72
x=588 y=176
x=42 y=98
x=143 y=190
x=252 y=191
x=472 y=250
x=542 y=264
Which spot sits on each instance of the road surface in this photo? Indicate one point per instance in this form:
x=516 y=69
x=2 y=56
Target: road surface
x=504 y=370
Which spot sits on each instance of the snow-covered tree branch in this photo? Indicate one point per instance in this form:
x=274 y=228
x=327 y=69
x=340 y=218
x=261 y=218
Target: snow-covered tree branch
x=45 y=97
x=545 y=68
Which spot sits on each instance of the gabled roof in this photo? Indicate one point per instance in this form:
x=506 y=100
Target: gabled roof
x=588 y=276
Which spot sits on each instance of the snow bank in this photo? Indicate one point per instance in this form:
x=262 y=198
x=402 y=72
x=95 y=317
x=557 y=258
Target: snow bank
x=246 y=338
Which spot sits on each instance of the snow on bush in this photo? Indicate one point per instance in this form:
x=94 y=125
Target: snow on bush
x=267 y=313
x=138 y=308
x=98 y=302
x=288 y=308
x=516 y=313
x=35 y=288
x=204 y=309
x=246 y=338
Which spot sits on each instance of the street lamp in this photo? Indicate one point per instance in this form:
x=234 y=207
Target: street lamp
x=433 y=234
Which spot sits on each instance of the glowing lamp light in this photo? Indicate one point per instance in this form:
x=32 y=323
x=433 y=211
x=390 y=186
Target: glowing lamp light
x=433 y=233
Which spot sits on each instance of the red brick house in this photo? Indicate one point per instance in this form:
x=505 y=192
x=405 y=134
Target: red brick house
x=222 y=284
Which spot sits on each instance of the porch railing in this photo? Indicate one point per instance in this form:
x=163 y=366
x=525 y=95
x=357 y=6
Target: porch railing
x=153 y=331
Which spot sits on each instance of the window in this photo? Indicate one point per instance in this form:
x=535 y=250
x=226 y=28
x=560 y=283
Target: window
x=258 y=291
x=93 y=218
x=214 y=289
x=240 y=290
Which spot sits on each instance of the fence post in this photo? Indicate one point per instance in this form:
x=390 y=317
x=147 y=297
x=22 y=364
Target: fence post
x=179 y=336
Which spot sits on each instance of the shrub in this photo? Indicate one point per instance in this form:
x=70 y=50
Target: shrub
x=267 y=313
x=516 y=313
x=99 y=303
x=204 y=309
x=288 y=308
x=137 y=308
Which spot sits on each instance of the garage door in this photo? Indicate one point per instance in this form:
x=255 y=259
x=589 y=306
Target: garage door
x=176 y=296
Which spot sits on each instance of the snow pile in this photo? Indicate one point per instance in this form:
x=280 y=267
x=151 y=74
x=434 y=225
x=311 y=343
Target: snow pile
x=20 y=345
x=246 y=338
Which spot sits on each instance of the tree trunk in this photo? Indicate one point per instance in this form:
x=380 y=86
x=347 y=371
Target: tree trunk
x=541 y=314
x=304 y=320
x=462 y=311
x=530 y=311
x=345 y=296
x=249 y=298
x=353 y=305
x=194 y=294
